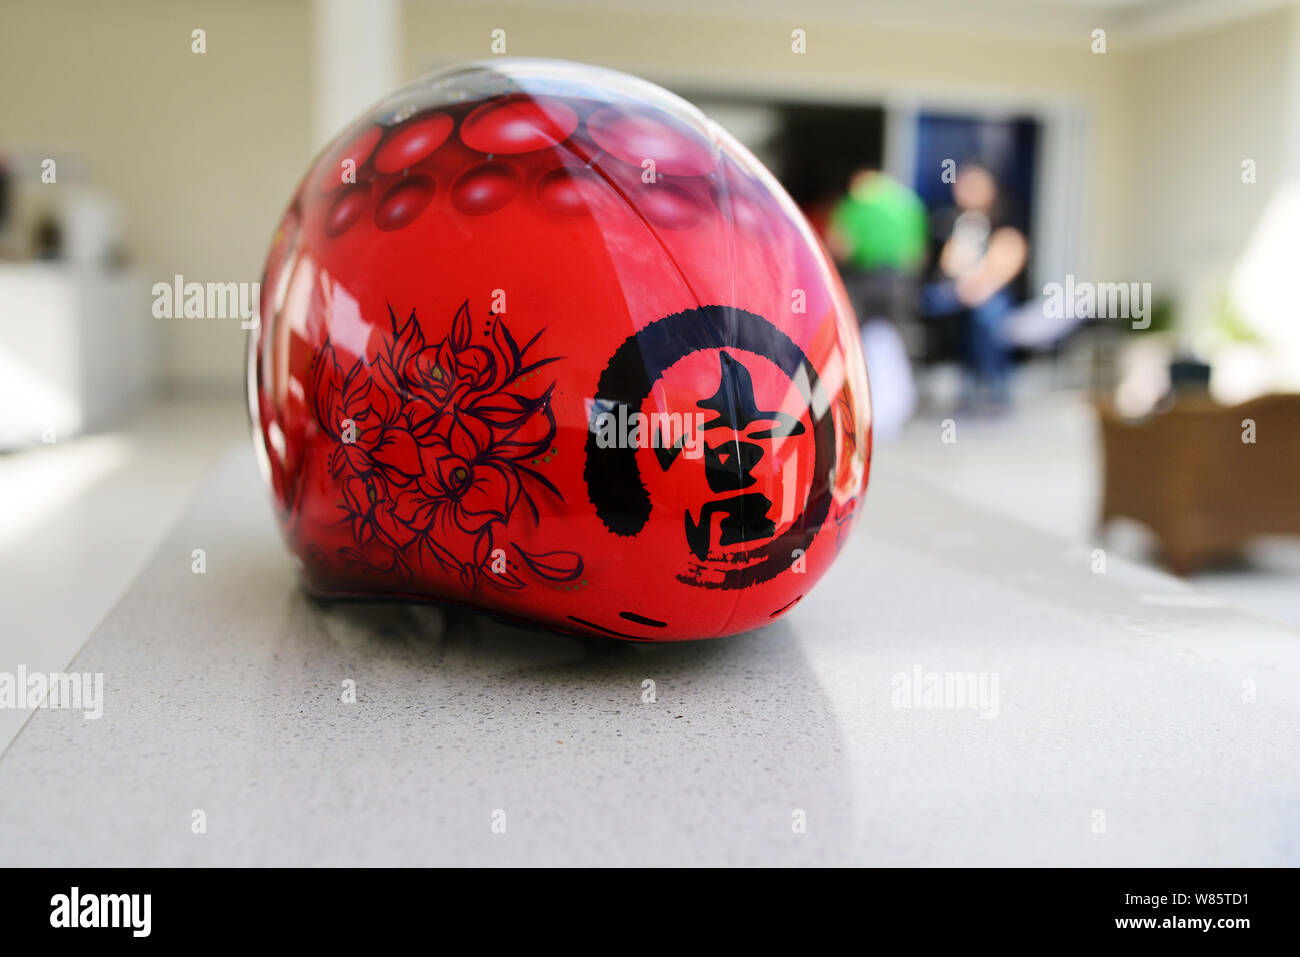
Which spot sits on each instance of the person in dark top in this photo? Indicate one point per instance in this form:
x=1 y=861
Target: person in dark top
x=980 y=258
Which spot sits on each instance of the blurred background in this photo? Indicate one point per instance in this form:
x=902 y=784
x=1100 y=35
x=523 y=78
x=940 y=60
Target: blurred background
x=1068 y=227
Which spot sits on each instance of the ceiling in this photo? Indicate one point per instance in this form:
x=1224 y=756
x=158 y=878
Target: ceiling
x=1061 y=20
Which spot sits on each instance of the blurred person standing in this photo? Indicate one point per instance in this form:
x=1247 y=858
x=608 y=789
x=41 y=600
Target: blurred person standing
x=877 y=233
x=981 y=257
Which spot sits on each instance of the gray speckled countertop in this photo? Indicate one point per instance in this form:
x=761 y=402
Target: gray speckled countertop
x=1120 y=694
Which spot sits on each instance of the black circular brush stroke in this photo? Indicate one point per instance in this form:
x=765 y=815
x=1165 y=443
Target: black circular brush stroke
x=613 y=478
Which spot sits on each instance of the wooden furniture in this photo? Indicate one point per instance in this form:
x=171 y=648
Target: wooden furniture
x=1193 y=475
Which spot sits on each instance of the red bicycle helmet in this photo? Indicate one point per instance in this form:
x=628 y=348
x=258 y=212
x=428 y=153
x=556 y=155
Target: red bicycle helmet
x=541 y=339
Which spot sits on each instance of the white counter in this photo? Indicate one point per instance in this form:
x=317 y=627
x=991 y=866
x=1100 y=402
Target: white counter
x=1137 y=722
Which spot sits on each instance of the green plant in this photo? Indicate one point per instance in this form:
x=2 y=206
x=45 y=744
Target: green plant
x=1228 y=324
x=1162 y=316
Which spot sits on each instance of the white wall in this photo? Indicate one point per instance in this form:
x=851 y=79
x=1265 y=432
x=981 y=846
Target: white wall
x=204 y=151
x=201 y=151
x=354 y=60
x=849 y=56
x=1164 y=117
x=1203 y=103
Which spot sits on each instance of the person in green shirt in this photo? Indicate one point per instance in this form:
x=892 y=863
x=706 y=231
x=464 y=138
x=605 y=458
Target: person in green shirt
x=880 y=224
x=878 y=235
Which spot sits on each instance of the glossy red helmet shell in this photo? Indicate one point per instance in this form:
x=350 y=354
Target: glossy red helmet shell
x=541 y=339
